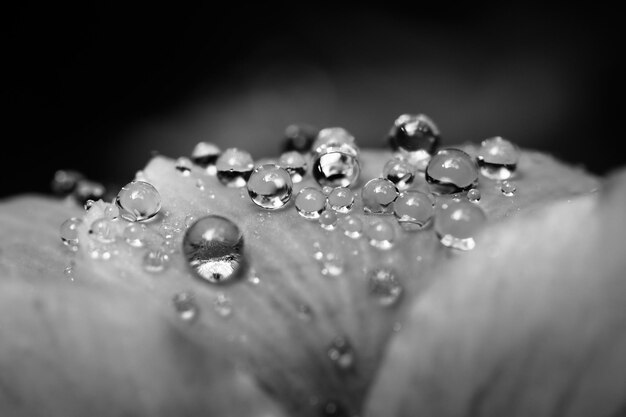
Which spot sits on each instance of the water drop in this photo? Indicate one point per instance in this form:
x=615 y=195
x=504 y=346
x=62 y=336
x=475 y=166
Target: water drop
x=189 y=220
x=223 y=305
x=341 y=353
x=474 y=195
x=269 y=187
x=253 y=278
x=310 y=203
x=68 y=271
x=185 y=306
x=327 y=189
x=183 y=165
x=328 y=220
x=138 y=201
x=134 y=234
x=155 y=260
x=336 y=158
x=384 y=286
x=497 y=158
x=102 y=230
x=335 y=138
x=380 y=234
x=88 y=204
x=451 y=171
x=200 y=184
x=299 y=138
x=399 y=172
x=332 y=264
x=341 y=199
x=508 y=188
x=377 y=196
x=457 y=222
x=65 y=181
x=415 y=137
x=88 y=190
x=414 y=210
x=213 y=246
x=234 y=167
x=352 y=226
x=205 y=155
x=111 y=211
x=295 y=164
x=69 y=232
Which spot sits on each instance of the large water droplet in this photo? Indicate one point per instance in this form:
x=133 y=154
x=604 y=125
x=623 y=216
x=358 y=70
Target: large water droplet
x=451 y=171
x=270 y=187
x=205 y=155
x=384 y=286
x=183 y=165
x=299 y=138
x=377 y=196
x=69 y=232
x=213 y=246
x=328 y=220
x=415 y=137
x=341 y=353
x=400 y=172
x=380 y=233
x=457 y=222
x=234 y=166
x=341 y=199
x=185 y=306
x=497 y=158
x=138 y=201
x=352 y=226
x=295 y=164
x=102 y=230
x=310 y=203
x=336 y=158
x=414 y=210
x=508 y=188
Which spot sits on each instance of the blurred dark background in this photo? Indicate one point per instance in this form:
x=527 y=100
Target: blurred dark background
x=97 y=87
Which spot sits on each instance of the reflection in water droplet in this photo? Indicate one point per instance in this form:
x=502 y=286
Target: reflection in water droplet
x=474 y=195
x=134 y=234
x=155 y=260
x=183 y=165
x=415 y=137
x=295 y=164
x=213 y=246
x=384 y=286
x=457 y=222
x=341 y=199
x=451 y=171
x=328 y=220
x=299 y=138
x=65 y=181
x=138 y=201
x=352 y=226
x=269 y=187
x=111 y=211
x=234 y=166
x=205 y=155
x=399 y=172
x=414 y=210
x=69 y=232
x=336 y=158
x=381 y=234
x=223 y=306
x=341 y=353
x=102 y=230
x=508 y=188
x=377 y=195
x=310 y=203
x=185 y=306
x=497 y=158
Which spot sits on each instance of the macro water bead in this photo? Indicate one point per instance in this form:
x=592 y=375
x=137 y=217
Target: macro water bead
x=299 y=138
x=269 y=186
x=415 y=138
x=400 y=172
x=213 y=247
x=295 y=164
x=336 y=158
x=451 y=171
x=377 y=196
x=413 y=210
x=69 y=232
x=138 y=201
x=341 y=199
x=457 y=222
x=205 y=155
x=497 y=158
x=234 y=167
x=310 y=203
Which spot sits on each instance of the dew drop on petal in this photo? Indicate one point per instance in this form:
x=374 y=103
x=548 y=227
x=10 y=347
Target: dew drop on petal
x=183 y=165
x=270 y=187
x=65 y=181
x=451 y=171
x=415 y=137
x=234 y=167
x=457 y=222
x=352 y=226
x=508 y=188
x=336 y=158
x=497 y=158
x=88 y=190
x=299 y=138
x=155 y=260
x=328 y=220
x=474 y=195
x=399 y=172
x=295 y=164
x=205 y=155
x=222 y=305
x=111 y=211
x=88 y=204
x=138 y=201
x=69 y=232
x=185 y=306
x=341 y=353
x=332 y=264
x=380 y=233
x=377 y=195
x=384 y=286
x=102 y=230
x=213 y=247
x=414 y=210
x=341 y=199
x=200 y=184
x=134 y=234
x=310 y=203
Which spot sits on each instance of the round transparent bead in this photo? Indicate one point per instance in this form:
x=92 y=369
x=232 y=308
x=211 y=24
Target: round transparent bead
x=185 y=306
x=155 y=260
x=328 y=220
x=415 y=137
x=295 y=164
x=269 y=187
x=299 y=138
x=400 y=172
x=183 y=165
x=457 y=222
x=497 y=158
x=134 y=234
x=377 y=196
x=474 y=195
x=380 y=233
x=341 y=199
x=86 y=190
x=102 y=230
x=234 y=167
x=335 y=138
x=65 y=181
x=205 y=155
x=414 y=210
x=138 y=201
x=335 y=168
x=352 y=226
x=384 y=286
x=508 y=188
x=451 y=171
x=310 y=203
x=69 y=231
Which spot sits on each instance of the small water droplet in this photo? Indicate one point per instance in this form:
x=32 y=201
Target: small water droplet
x=234 y=167
x=88 y=204
x=327 y=189
x=155 y=260
x=183 y=165
x=341 y=199
x=310 y=203
x=497 y=158
x=102 y=253
x=474 y=195
x=384 y=286
x=336 y=158
x=205 y=155
x=295 y=164
x=69 y=232
x=270 y=186
x=138 y=201
x=332 y=264
x=111 y=211
x=352 y=226
x=457 y=222
x=185 y=306
x=223 y=305
x=200 y=184
x=415 y=137
x=414 y=210
x=88 y=190
x=101 y=229
x=328 y=220
x=377 y=195
x=508 y=188
x=399 y=172
x=69 y=270
x=341 y=353
x=134 y=234
x=189 y=220
x=65 y=181
x=380 y=234
x=253 y=277
x=299 y=138
x=451 y=171
x=213 y=246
